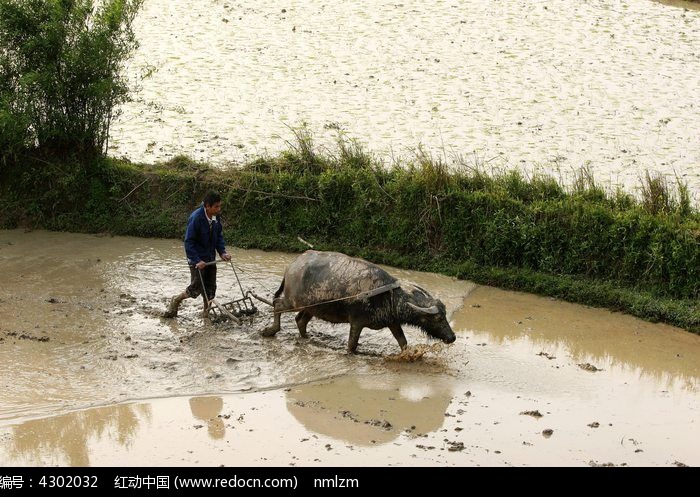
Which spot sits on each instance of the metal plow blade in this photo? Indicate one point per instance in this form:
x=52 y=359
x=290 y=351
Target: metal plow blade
x=234 y=310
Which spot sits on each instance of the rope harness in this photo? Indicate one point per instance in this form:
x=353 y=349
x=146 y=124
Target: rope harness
x=366 y=293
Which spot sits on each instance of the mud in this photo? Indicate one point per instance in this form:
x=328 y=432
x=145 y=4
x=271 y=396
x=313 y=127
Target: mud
x=92 y=306
x=114 y=384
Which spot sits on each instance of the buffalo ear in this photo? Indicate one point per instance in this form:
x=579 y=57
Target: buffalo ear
x=433 y=309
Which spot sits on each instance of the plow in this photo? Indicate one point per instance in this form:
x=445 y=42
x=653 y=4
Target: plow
x=232 y=310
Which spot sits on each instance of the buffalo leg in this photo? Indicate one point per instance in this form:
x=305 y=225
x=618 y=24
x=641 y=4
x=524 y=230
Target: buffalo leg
x=278 y=307
x=398 y=334
x=302 y=320
x=355 y=331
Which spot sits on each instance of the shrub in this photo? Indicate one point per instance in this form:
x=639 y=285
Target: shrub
x=61 y=73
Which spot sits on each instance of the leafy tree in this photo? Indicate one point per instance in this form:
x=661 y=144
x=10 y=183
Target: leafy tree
x=61 y=73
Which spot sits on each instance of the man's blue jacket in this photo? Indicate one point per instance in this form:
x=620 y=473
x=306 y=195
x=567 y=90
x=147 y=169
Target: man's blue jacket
x=202 y=241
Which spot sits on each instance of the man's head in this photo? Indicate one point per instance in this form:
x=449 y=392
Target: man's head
x=212 y=204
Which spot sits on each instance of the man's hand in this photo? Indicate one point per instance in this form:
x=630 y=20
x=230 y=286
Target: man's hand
x=200 y=265
x=225 y=256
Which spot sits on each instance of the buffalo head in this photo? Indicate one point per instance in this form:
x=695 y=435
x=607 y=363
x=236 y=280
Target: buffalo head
x=427 y=313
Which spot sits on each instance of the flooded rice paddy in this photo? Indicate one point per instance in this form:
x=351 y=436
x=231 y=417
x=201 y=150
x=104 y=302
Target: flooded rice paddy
x=91 y=375
x=542 y=86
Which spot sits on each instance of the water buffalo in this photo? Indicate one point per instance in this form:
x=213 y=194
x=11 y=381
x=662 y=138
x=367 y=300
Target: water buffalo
x=342 y=289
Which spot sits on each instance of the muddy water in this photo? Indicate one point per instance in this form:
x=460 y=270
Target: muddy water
x=81 y=343
x=611 y=84
x=81 y=326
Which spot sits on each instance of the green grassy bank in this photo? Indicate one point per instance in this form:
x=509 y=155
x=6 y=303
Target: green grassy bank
x=582 y=243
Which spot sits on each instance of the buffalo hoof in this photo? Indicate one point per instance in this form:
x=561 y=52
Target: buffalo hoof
x=269 y=332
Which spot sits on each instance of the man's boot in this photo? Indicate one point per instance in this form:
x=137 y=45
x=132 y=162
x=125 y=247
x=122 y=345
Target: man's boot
x=175 y=305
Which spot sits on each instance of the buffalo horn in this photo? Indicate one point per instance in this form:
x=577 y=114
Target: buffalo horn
x=426 y=310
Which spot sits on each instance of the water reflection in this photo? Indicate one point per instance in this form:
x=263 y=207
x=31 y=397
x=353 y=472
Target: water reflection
x=207 y=409
x=370 y=410
x=65 y=440
x=667 y=355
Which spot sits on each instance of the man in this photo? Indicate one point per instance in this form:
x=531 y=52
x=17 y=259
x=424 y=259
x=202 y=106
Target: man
x=203 y=238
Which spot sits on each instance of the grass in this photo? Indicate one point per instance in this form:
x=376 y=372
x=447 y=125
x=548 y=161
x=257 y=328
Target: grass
x=578 y=242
